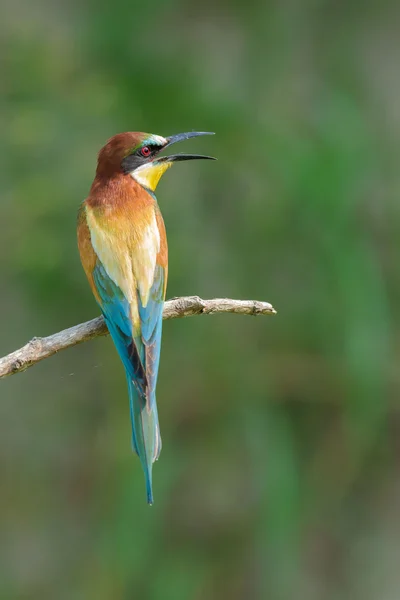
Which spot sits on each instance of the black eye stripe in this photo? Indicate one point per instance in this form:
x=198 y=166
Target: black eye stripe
x=134 y=160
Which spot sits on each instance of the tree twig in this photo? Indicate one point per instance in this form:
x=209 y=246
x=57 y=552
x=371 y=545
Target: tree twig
x=40 y=348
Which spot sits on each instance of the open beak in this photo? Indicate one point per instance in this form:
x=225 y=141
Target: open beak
x=179 y=137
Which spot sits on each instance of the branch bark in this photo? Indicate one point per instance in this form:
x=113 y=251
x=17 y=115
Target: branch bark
x=40 y=348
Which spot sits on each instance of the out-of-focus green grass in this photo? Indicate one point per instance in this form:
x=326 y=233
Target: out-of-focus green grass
x=279 y=475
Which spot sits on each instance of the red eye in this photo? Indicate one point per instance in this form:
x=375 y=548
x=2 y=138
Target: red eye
x=145 y=151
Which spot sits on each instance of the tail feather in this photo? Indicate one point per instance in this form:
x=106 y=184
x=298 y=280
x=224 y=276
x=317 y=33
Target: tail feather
x=146 y=440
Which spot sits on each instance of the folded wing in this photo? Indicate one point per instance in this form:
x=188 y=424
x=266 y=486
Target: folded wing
x=129 y=286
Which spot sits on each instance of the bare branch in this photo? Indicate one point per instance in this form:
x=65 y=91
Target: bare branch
x=39 y=348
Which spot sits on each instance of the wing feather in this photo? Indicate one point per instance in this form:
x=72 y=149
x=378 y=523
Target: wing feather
x=130 y=288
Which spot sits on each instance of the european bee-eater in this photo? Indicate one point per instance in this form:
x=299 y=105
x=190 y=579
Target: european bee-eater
x=123 y=248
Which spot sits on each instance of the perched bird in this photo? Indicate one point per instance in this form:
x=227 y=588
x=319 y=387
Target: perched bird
x=123 y=249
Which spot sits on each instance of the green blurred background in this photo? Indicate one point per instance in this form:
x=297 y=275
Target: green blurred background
x=280 y=473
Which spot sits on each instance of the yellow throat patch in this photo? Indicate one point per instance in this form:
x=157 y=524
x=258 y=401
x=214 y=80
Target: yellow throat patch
x=149 y=175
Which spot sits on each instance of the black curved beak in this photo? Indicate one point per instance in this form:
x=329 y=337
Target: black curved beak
x=179 y=137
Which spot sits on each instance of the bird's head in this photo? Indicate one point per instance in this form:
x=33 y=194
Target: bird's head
x=137 y=155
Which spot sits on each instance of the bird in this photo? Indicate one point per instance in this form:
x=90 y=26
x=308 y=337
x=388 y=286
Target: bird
x=123 y=249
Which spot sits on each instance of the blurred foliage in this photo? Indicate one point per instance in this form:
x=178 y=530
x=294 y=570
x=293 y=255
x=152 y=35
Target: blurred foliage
x=279 y=475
